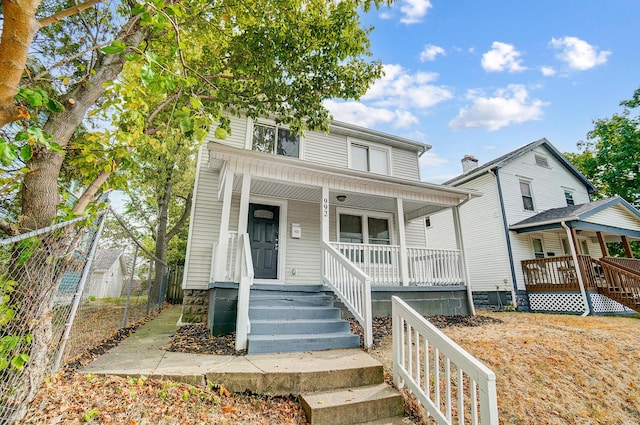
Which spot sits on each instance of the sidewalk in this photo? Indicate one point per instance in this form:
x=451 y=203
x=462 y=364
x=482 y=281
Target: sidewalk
x=283 y=373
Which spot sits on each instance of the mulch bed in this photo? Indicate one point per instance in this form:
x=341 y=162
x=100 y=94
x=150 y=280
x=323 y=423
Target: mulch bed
x=198 y=340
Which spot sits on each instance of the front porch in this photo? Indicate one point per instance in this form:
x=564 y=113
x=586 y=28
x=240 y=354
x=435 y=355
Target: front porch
x=290 y=223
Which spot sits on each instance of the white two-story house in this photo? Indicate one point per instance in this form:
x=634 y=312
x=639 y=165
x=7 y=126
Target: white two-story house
x=340 y=213
x=535 y=239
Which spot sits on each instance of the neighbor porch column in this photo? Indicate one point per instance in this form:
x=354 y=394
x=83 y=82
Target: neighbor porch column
x=603 y=244
x=243 y=218
x=464 y=268
x=324 y=215
x=627 y=246
x=223 y=238
x=402 y=236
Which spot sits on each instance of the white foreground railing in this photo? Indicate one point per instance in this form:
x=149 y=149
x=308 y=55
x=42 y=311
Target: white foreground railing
x=435 y=266
x=439 y=372
x=230 y=263
x=244 y=289
x=380 y=262
x=351 y=285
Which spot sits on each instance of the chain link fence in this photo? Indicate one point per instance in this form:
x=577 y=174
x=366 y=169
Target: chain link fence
x=62 y=293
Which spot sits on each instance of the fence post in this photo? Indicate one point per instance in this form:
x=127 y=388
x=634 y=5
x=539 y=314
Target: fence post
x=78 y=295
x=133 y=269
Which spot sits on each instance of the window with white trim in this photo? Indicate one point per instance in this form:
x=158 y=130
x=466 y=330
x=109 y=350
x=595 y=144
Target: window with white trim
x=276 y=140
x=527 y=195
x=366 y=157
x=357 y=228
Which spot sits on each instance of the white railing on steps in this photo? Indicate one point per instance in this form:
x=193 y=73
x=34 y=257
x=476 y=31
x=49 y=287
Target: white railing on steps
x=452 y=385
x=244 y=288
x=351 y=285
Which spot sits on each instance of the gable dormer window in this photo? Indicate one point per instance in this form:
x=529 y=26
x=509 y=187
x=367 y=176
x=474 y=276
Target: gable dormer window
x=542 y=161
x=368 y=157
x=275 y=140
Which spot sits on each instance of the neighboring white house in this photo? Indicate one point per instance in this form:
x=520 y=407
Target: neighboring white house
x=316 y=206
x=532 y=225
x=108 y=274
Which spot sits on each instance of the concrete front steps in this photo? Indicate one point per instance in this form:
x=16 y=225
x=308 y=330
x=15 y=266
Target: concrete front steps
x=335 y=387
x=295 y=318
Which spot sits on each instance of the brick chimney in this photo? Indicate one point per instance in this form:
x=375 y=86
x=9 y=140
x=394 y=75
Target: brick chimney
x=469 y=163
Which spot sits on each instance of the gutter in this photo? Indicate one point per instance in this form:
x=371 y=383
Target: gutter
x=574 y=255
x=507 y=235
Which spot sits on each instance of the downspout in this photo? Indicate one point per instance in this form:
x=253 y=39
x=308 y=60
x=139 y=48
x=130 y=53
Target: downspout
x=507 y=237
x=574 y=255
x=465 y=268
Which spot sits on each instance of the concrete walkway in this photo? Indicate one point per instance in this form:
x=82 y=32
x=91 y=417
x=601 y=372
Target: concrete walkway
x=284 y=373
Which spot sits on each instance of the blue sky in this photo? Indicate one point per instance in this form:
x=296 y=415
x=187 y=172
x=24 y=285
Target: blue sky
x=484 y=77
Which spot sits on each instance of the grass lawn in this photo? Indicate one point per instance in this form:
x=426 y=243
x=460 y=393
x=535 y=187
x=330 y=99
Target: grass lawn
x=557 y=369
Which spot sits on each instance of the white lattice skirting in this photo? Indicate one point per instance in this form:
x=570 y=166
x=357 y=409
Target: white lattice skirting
x=556 y=301
x=604 y=304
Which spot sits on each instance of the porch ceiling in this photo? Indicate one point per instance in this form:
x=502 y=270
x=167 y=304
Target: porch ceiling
x=291 y=178
x=412 y=209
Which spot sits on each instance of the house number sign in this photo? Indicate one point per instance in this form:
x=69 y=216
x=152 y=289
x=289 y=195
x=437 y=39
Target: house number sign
x=325 y=207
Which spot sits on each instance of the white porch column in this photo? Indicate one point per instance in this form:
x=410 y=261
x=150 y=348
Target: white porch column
x=223 y=238
x=324 y=215
x=463 y=258
x=402 y=236
x=243 y=218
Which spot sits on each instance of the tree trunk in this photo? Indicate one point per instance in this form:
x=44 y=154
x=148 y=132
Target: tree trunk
x=155 y=295
x=40 y=199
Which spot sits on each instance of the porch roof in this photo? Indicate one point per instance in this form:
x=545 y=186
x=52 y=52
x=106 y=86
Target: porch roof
x=292 y=178
x=582 y=216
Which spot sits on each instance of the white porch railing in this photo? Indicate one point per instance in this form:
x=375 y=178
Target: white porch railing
x=435 y=266
x=351 y=285
x=243 y=326
x=230 y=261
x=380 y=262
x=439 y=372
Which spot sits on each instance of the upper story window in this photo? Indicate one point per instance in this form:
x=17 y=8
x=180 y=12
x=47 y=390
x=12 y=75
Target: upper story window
x=276 y=140
x=527 y=196
x=366 y=157
x=542 y=161
x=568 y=196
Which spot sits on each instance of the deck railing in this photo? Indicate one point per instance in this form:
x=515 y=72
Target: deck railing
x=380 y=262
x=628 y=263
x=559 y=273
x=622 y=284
x=451 y=384
x=434 y=266
x=351 y=285
x=426 y=266
x=244 y=289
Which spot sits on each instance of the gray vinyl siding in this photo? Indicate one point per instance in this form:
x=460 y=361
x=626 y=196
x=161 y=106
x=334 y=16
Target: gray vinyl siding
x=204 y=227
x=303 y=254
x=484 y=238
x=415 y=233
x=617 y=216
x=405 y=164
x=441 y=234
x=327 y=149
x=547 y=185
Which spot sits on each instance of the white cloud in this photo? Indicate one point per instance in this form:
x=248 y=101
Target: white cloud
x=547 y=71
x=366 y=116
x=414 y=10
x=502 y=57
x=430 y=52
x=578 y=54
x=401 y=89
x=510 y=105
x=430 y=159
